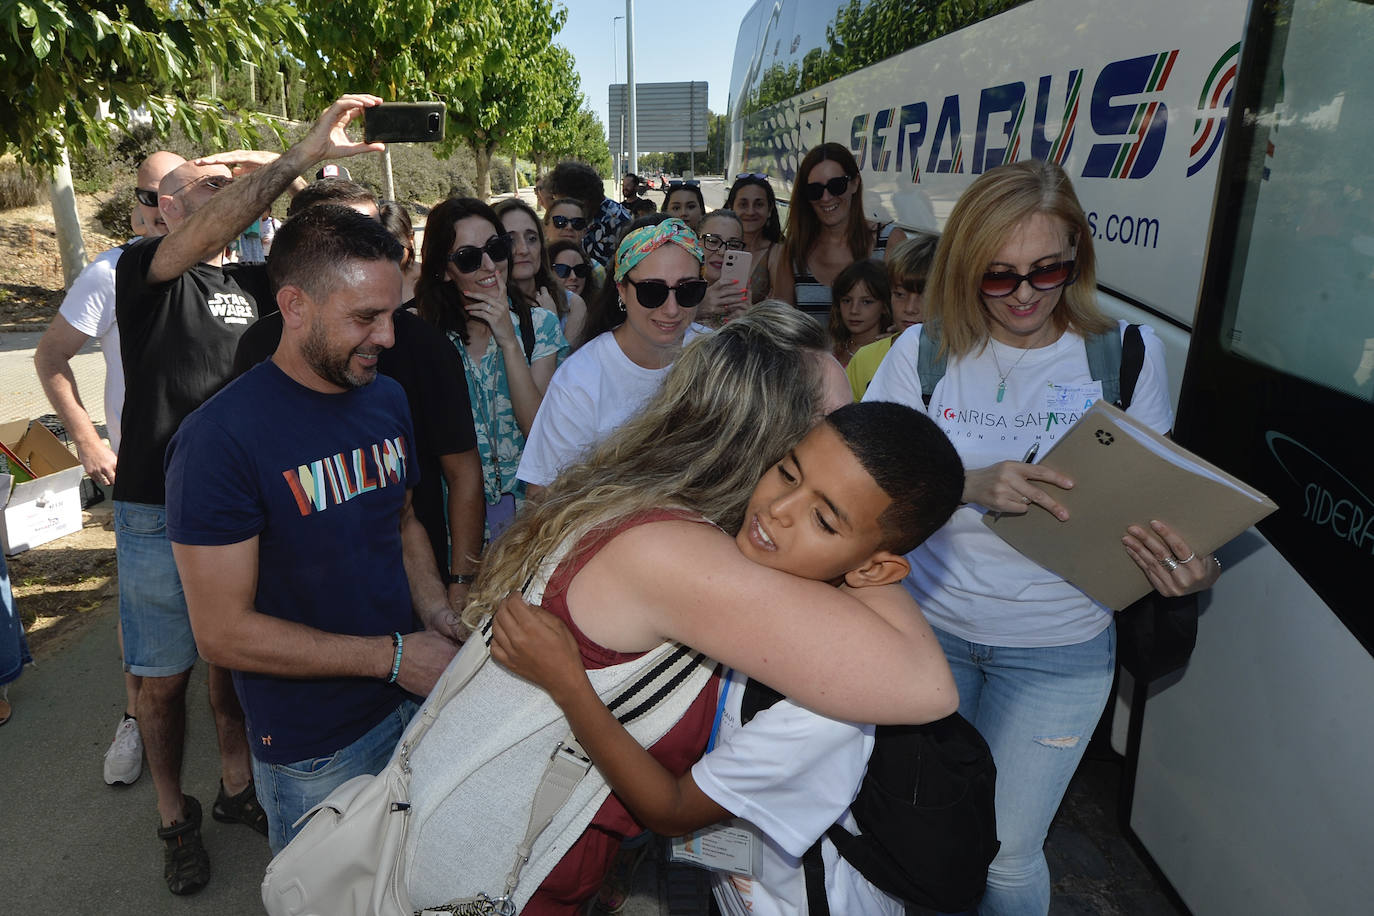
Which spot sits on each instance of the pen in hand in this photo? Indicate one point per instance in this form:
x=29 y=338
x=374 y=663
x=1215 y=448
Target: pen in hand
x=1030 y=453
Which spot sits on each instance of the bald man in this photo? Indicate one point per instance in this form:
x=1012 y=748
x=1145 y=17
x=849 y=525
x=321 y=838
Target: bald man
x=181 y=311
x=88 y=311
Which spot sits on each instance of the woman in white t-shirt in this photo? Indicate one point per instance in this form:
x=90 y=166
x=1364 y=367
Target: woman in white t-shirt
x=1012 y=297
x=651 y=305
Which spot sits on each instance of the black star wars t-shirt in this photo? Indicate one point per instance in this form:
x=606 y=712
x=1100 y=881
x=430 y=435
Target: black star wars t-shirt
x=178 y=340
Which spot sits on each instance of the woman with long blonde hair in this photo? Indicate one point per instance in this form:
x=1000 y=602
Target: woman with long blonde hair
x=650 y=515
x=1011 y=299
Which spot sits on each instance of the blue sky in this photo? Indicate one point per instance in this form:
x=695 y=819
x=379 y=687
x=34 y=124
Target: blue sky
x=673 y=42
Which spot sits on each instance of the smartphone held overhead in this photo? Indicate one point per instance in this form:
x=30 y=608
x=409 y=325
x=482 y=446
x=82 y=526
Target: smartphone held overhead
x=404 y=122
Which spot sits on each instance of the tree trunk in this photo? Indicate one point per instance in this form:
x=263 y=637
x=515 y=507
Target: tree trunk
x=69 y=241
x=481 y=152
x=515 y=174
x=388 y=180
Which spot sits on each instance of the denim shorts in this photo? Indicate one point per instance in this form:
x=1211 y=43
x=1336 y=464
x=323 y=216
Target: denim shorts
x=158 y=641
x=288 y=790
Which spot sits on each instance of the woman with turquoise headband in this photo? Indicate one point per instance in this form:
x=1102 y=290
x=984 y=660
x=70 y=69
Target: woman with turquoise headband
x=642 y=321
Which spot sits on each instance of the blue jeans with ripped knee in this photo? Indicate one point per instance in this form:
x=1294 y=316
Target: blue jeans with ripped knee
x=1037 y=708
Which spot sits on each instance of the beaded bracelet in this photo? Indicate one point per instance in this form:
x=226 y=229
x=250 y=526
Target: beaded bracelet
x=399 y=642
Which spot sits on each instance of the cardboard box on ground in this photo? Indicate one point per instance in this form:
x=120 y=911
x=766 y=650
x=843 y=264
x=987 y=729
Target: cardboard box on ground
x=37 y=511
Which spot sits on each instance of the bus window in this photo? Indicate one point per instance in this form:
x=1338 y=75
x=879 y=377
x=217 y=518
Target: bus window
x=1307 y=281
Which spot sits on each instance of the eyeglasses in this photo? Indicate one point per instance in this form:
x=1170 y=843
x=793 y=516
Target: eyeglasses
x=469 y=257
x=146 y=197
x=581 y=271
x=815 y=190
x=1000 y=283
x=215 y=183
x=562 y=222
x=712 y=242
x=653 y=293
x=745 y=175
x=684 y=183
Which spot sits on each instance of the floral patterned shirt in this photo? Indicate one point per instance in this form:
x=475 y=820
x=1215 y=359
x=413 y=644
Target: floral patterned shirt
x=499 y=439
x=599 y=242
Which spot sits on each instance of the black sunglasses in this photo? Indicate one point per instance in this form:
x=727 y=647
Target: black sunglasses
x=743 y=175
x=469 y=257
x=712 y=242
x=681 y=183
x=582 y=271
x=653 y=293
x=562 y=222
x=1000 y=283
x=815 y=190
x=146 y=197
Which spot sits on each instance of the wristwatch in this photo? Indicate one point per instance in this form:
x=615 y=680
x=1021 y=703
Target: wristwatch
x=459 y=578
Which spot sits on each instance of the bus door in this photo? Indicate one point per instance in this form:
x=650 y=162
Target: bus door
x=1253 y=790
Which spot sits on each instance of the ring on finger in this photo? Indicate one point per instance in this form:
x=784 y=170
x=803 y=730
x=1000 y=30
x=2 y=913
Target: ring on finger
x=1190 y=558
x=1169 y=563
x=1026 y=500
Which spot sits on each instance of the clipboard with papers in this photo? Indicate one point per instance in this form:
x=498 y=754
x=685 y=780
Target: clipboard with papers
x=1126 y=474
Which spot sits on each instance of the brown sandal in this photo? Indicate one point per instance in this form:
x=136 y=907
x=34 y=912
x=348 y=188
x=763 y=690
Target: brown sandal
x=240 y=809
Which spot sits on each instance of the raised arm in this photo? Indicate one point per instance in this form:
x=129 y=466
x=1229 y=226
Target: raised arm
x=816 y=644
x=537 y=646
x=228 y=213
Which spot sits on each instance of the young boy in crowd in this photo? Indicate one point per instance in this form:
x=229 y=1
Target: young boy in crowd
x=908 y=265
x=861 y=490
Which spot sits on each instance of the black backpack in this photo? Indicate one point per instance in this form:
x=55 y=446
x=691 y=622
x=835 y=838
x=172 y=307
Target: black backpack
x=926 y=811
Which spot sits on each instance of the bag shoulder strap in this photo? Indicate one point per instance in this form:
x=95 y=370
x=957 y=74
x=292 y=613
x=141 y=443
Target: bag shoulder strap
x=813 y=868
x=930 y=362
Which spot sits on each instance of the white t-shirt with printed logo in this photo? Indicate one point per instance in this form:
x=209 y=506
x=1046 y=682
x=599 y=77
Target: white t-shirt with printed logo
x=592 y=392
x=967 y=580
x=89 y=306
x=791 y=774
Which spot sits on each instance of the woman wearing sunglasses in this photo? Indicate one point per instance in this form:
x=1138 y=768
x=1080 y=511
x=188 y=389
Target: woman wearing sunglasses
x=751 y=196
x=721 y=231
x=1011 y=296
x=530 y=270
x=826 y=231
x=642 y=322
x=573 y=269
x=683 y=200
x=509 y=347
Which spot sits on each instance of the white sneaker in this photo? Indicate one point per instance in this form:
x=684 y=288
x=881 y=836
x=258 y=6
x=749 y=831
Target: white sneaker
x=124 y=759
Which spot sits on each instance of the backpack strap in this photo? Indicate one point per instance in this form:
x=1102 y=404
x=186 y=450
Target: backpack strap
x=813 y=868
x=1132 y=361
x=1104 y=363
x=930 y=362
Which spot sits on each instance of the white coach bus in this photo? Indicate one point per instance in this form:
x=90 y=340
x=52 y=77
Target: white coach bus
x=1222 y=151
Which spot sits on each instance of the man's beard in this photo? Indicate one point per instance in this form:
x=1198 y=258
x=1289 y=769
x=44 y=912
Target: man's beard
x=333 y=368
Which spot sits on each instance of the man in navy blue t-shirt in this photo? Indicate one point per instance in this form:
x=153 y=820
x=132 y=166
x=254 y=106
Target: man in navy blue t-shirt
x=288 y=506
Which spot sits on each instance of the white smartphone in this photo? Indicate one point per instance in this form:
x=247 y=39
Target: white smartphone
x=737 y=267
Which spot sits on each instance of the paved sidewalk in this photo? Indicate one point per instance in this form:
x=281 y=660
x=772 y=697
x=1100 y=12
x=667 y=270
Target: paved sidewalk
x=75 y=845
x=21 y=397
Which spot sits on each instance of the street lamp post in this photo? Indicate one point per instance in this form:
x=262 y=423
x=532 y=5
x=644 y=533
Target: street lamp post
x=619 y=157
x=630 y=83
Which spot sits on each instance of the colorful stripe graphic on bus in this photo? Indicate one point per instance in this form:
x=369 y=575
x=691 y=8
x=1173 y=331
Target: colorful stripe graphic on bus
x=1212 y=105
x=1056 y=150
x=1144 y=122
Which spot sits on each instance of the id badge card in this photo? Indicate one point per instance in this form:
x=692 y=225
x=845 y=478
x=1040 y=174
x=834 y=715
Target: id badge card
x=1072 y=398
x=727 y=847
